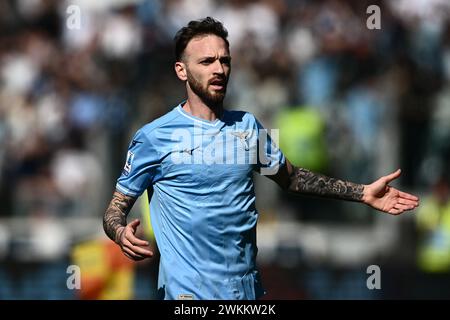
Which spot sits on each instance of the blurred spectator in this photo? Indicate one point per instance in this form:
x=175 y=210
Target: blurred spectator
x=433 y=223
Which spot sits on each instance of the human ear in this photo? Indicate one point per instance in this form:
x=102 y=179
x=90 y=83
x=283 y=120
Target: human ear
x=180 y=70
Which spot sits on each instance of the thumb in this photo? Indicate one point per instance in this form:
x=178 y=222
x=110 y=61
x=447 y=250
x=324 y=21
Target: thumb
x=393 y=176
x=134 y=224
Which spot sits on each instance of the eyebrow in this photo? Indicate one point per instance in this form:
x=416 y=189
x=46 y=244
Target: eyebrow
x=210 y=58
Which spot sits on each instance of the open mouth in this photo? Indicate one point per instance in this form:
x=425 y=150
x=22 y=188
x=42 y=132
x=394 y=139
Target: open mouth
x=217 y=84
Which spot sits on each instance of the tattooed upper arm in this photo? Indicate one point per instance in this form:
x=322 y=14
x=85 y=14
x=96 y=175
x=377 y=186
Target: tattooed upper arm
x=115 y=216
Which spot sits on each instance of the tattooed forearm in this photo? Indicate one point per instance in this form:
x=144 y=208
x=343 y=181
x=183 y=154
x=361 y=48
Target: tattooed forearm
x=305 y=181
x=116 y=215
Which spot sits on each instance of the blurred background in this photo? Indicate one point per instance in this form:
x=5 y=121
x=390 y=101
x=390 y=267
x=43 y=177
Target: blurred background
x=78 y=78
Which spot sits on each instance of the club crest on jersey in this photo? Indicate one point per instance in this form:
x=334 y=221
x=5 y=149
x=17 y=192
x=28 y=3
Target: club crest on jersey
x=128 y=163
x=242 y=135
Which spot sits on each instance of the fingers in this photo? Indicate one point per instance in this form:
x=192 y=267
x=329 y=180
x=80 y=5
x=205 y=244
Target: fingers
x=411 y=203
x=129 y=235
x=394 y=211
x=140 y=250
x=403 y=207
x=399 y=208
x=134 y=224
x=393 y=176
x=408 y=196
x=133 y=246
x=137 y=249
x=131 y=255
x=135 y=240
x=135 y=252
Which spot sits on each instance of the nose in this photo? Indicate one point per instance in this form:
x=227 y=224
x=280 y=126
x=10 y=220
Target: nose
x=218 y=67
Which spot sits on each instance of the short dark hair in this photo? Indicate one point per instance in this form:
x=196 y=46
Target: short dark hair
x=195 y=28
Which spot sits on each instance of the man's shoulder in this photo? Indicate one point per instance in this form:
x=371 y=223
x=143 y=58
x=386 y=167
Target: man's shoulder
x=240 y=116
x=149 y=128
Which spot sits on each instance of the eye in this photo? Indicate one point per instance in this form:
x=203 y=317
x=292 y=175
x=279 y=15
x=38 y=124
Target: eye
x=206 y=62
x=226 y=60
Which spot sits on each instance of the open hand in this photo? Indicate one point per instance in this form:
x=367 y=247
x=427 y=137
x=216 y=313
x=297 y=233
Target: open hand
x=381 y=196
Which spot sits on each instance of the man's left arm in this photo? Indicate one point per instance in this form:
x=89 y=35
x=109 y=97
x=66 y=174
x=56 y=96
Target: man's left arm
x=379 y=194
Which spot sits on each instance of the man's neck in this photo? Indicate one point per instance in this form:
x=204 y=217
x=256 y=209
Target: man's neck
x=199 y=109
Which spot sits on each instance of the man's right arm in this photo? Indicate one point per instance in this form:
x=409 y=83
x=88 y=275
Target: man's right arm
x=115 y=226
x=115 y=218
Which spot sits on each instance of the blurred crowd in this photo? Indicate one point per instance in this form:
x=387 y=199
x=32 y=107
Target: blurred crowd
x=70 y=96
x=365 y=102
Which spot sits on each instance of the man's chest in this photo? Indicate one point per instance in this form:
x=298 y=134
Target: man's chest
x=211 y=157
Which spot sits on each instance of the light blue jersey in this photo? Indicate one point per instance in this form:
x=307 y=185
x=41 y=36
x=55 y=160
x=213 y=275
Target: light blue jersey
x=199 y=176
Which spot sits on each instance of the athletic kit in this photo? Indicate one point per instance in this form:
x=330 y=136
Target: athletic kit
x=199 y=178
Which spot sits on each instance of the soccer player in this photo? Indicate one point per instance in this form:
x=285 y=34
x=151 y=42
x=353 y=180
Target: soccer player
x=197 y=163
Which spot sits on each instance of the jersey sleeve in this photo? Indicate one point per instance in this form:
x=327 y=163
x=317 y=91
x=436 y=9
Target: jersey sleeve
x=270 y=158
x=142 y=166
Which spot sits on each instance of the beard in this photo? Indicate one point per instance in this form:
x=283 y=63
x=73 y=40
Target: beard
x=214 y=99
